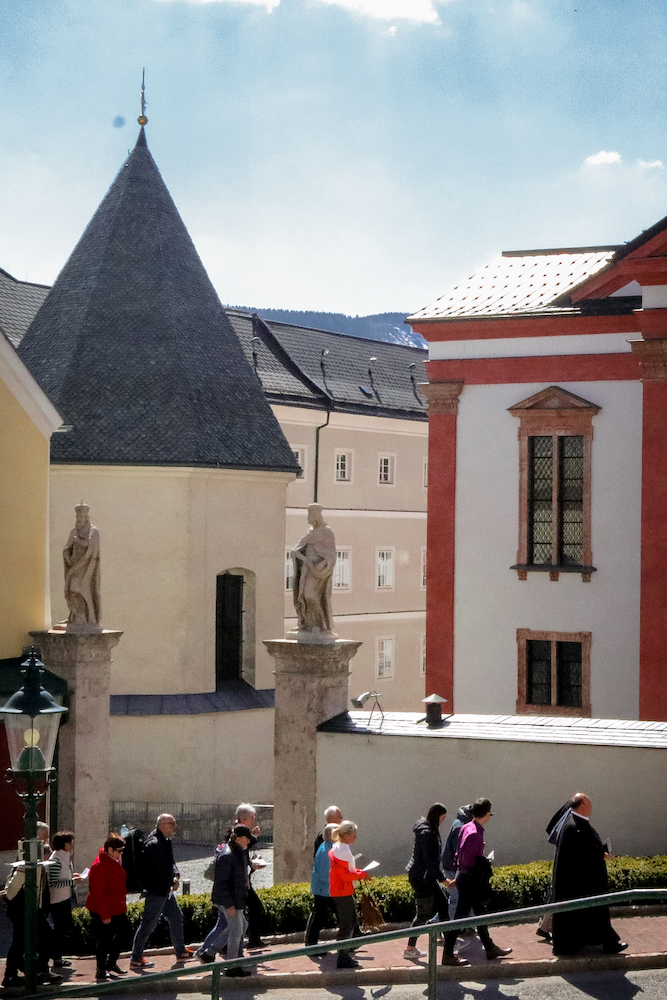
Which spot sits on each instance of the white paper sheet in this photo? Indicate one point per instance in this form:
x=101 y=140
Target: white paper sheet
x=371 y=864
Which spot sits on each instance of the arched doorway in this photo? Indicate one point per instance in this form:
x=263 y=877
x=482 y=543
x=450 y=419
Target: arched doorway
x=235 y=627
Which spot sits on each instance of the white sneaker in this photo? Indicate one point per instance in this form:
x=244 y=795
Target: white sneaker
x=414 y=953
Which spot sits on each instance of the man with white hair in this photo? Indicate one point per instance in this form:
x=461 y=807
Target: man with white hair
x=246 y=815
x=160 y=878
x=332 y=814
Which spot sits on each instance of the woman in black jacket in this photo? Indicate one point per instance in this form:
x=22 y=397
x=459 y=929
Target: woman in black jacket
x=425 y=873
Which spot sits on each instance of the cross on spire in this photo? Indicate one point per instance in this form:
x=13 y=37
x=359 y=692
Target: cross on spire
x=142 y=119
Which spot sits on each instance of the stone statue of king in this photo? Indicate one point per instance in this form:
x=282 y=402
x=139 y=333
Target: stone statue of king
x=82 y=574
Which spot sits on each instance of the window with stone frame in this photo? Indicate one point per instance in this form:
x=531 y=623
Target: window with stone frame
x=553 y=673
x=555 y=441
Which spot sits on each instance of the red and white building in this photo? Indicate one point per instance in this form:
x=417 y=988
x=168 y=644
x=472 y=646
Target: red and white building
x=547 y=529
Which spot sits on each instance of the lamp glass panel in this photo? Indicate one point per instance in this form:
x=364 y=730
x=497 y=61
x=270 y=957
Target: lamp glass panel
x=31 y=731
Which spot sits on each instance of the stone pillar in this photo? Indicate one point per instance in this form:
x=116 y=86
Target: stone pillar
x=311 y=686
x=84 y=661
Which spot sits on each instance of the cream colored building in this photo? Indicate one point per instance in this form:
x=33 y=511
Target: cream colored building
x=367 y=466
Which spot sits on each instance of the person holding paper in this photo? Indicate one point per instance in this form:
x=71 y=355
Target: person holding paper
x=425 y=873
x=342 y=876
x=472 y=881
x=580 y=870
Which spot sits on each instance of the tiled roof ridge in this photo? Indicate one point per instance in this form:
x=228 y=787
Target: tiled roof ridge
x=20 y=281
x=349 y=336
x=606 y=248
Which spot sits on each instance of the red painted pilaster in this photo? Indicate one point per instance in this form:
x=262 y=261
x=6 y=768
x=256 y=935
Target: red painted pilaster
x=653 y=608
x=440 y=556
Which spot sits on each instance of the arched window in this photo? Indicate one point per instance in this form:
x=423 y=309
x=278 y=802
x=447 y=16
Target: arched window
x=235 y=627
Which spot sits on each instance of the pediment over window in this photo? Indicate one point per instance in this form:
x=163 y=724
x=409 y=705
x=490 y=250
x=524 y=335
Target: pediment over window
x=554 y=398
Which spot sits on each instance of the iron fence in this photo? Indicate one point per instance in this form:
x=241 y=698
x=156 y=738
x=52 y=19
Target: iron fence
x=198 y=823
x=216 y=969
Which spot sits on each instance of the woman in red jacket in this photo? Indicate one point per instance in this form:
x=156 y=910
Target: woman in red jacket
x=107 y=904
x=342 y=876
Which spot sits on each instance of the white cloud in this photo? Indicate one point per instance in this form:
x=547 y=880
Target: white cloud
x=602 y=157
x=268 y=5
x=392 y=30
x=650 y=164
x=422 y=11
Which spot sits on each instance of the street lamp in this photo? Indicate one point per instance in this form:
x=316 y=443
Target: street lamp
x=31 y=718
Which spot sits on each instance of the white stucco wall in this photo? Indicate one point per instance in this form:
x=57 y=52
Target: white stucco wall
x=491 y=603
x=385 y=783
x=226 y=757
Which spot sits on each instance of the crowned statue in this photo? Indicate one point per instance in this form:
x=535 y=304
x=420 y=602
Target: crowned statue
x=314 y=558
x=82 y=574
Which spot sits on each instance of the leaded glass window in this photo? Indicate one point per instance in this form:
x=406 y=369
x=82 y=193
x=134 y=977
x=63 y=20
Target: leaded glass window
x=568 y=673
x=540 y=499
x=538 y=672
x=555 y=500
x=571 y=499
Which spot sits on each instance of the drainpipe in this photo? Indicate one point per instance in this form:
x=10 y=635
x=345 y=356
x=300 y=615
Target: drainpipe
x=317 y=454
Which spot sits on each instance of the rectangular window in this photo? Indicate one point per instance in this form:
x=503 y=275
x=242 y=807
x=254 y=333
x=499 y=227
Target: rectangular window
x=289 y=570
x=555 y=500
x=385 y=569
x=423 y=670
x=384 y=658
x=300 y=456
x=425 y=474
x=386 y=469
x=422 y=575
x=341 y=575
x=554 y=672
x=343 y=467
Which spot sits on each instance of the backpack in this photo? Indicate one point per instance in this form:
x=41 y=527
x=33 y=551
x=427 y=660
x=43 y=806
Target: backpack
x=133 y=858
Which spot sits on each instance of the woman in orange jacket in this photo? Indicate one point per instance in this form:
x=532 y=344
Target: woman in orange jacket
x=342 y=876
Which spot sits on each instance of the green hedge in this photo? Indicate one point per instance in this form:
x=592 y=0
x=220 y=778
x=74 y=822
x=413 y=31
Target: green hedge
x=287 y=906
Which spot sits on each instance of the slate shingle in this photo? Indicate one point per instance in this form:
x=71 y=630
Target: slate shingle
x=133 y=347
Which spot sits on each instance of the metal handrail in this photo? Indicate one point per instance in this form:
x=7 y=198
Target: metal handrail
x=521 y=916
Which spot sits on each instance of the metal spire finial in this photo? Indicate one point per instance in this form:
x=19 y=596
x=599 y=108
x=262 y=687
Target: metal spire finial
x=142 y=119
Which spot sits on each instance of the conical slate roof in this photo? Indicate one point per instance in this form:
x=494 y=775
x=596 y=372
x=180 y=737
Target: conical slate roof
x=134 y=349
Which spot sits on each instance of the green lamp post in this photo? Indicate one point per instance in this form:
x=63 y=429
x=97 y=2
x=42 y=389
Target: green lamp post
x=31 y=718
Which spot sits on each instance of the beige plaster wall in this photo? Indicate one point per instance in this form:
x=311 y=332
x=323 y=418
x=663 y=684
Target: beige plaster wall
x=225 y=757
x=165 y=535
x=366 y=437
x=385 y=783
x=24 y=462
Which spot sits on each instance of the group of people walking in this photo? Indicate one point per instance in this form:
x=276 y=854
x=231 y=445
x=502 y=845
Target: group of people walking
x=452 y=881
x=449 y=881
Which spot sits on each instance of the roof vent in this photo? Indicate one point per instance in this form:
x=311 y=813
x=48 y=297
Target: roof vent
x=366 y=391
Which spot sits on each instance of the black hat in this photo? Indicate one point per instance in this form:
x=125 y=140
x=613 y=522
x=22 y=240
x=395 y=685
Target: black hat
x=242 y=831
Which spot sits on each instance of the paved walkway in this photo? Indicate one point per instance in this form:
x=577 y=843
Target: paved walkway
x=384 y=963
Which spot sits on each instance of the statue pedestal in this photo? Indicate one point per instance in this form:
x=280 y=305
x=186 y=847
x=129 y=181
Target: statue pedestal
x=84 y=661
x=311 y=686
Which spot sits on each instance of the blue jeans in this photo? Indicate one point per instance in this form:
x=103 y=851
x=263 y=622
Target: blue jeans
x=217 y=938
x=453 y=895
x=153 y=907
x=237 y=928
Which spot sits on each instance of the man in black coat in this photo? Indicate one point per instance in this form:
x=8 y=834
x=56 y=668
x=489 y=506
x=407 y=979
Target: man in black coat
x=160 y=878
x=580 y=870
x=231 y=887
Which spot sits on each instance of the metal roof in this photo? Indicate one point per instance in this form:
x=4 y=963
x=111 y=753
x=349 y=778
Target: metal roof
x=529 y=281
x=517 y=728
x=238 y=696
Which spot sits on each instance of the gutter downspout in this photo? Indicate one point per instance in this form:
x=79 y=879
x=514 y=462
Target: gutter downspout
x=317 y=454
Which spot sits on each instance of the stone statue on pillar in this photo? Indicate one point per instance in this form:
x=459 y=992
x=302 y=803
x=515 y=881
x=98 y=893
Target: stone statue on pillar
x=82 y=574
x=314 y=559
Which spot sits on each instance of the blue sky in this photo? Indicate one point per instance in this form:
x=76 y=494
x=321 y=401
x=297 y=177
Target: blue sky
x=348 y=155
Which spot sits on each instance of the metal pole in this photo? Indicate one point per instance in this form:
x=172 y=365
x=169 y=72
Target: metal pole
x=30 y=857
x=432 y=963
x=215 y=982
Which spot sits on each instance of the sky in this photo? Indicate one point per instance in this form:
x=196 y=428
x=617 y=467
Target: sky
x=356 y=156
